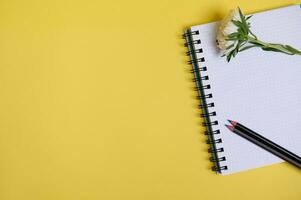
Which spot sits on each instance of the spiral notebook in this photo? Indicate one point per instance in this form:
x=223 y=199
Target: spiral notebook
x=260 y=89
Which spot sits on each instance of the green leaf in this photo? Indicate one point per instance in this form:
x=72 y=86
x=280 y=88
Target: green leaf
x=237 y=23
x=231 y=39
x=233 y=36
x=247 y=47
x=257 y=44
x=292 y=49
x=241 y=27
x=229 y=56
x=272 y=49
x=234 y=53
x=243 y=21
x=243 y=43
x=239 y=44
x=242 y=17
x=248 y=17
x=230 y=46
x=252 y=34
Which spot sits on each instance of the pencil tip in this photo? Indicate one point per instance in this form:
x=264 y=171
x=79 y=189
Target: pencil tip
x=231 y=128
x=232 y=122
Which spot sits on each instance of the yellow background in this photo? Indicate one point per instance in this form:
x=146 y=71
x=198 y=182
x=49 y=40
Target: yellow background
x=96 y=103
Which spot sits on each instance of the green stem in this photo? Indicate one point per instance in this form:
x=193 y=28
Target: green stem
x=274 y=47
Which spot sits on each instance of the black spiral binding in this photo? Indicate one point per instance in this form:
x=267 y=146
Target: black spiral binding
x=200 y=87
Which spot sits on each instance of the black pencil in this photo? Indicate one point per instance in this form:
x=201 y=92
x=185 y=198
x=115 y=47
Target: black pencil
x=264 y=143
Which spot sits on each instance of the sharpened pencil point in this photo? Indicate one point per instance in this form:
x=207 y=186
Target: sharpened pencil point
x=231 y=128
x=232 y=122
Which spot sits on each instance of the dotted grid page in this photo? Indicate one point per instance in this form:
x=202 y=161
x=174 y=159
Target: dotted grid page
x=259 y=89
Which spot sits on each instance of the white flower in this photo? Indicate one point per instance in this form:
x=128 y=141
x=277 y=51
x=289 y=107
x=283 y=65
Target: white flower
x=234 y=36
x=226 y=28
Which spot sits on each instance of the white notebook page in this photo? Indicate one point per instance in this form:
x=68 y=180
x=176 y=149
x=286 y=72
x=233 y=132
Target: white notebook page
x=259 y=89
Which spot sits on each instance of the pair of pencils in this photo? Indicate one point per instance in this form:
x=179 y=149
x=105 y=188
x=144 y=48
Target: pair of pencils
x=264 y=143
